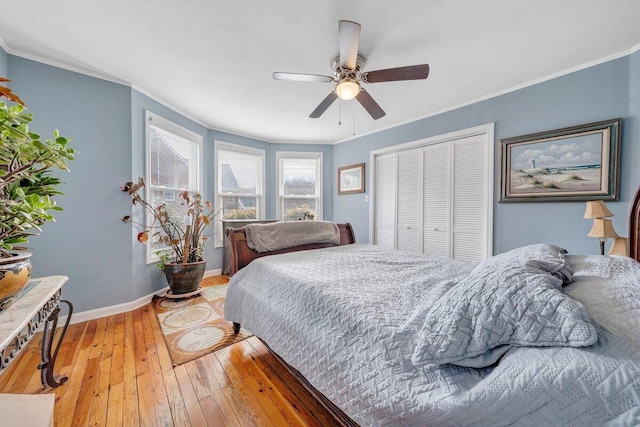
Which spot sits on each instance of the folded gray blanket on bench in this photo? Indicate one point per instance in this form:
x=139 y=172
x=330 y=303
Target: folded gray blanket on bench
x=280 y=235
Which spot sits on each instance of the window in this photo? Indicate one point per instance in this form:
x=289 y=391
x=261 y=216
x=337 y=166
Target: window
x=299 y=186
x=173 y=166
x=240 y=178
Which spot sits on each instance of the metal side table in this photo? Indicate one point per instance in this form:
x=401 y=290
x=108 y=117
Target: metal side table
x=20 y=321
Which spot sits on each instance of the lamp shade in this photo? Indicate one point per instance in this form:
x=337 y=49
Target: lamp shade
x=597 y=209
x=620 y=246
x=602 y=228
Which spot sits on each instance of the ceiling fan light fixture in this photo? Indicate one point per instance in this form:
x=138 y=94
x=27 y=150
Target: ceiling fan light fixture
x=347 y=89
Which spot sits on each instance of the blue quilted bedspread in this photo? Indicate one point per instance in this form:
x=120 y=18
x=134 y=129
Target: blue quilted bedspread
x=358 y=321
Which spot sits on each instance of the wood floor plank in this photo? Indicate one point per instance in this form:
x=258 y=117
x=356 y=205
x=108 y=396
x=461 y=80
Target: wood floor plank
x=170 y=407
x=85 y=395
x=239 y=407
x=192 y=404
x=153 y=390
x=117 y=357
x=96 y=345
x=295 y=414
x=72 y=340
x=116 y=405
x=212 y=412
x=292 y=394
x=130 y=385
x=146 y=401
x=175 y=401
x=199 y=383
x=228 y=411
x=215 y=369
x=139 y=344
x=69 y=399
x=100 y=398
x=248 y=393
x=22 y=377
x=291 y=388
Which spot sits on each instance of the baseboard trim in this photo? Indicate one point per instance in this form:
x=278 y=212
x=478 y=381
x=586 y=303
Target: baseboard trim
x=215 y=272
x=124 y=307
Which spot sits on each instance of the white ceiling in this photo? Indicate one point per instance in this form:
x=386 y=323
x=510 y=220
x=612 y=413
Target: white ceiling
x=212 y=60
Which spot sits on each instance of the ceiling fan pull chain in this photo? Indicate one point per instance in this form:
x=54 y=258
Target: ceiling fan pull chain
x=340 y=113
x=354 y=122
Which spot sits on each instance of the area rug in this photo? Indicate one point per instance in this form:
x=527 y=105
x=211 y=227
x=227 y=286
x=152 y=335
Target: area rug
x=196 y=326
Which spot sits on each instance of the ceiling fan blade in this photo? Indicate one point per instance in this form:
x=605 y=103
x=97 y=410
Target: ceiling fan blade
x=320 y=109
x=412 y=72
x=300 y=77
x=370 y=105
x=349 y=41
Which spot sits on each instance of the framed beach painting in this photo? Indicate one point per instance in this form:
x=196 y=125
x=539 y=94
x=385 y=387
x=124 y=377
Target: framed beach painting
x=577 y=163
x=351 y=179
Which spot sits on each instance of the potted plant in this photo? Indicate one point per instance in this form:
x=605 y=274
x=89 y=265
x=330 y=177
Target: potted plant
x=26 y=188
x=183 y=237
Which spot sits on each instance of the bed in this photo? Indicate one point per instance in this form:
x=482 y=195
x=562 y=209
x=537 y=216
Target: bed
x=533 y=336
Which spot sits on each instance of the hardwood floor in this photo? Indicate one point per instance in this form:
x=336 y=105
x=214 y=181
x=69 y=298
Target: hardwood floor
x=120 y=374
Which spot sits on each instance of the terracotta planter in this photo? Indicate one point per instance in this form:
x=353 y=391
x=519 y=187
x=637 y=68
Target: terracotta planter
x=15 y=273
x=184 y=278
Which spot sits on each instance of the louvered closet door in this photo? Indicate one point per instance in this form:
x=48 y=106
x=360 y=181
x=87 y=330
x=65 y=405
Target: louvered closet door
x=469 y=199
x=409 y=207
x=385 y=201
x=437 y=200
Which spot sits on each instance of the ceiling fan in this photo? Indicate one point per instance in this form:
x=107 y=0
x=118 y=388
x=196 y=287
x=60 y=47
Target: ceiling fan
x=348 y=75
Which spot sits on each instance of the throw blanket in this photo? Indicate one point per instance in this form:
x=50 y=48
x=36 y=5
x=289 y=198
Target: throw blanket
x=280 y=235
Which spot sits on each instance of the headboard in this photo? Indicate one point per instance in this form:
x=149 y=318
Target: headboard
x=634 y=228
x=241 y=254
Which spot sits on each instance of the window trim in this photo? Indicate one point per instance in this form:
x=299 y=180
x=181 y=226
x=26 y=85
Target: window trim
x=182 y=132
x=319 y=174
x=218 y=145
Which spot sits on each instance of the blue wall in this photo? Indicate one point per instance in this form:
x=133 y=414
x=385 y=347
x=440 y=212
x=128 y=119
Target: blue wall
x=597 y=93
x=3 y=63
x=88 y=243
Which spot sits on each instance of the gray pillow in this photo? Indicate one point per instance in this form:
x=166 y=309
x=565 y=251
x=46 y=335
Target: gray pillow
x=510 y=301
x=546 y=257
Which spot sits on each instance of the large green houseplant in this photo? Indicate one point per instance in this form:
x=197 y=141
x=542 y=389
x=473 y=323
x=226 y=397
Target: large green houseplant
x=26 y=187
x=182 y=236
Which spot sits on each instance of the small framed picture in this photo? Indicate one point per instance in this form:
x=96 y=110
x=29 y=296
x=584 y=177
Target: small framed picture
x=351 y=179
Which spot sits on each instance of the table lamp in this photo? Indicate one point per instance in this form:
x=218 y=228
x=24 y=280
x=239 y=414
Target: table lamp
x=602 y=227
